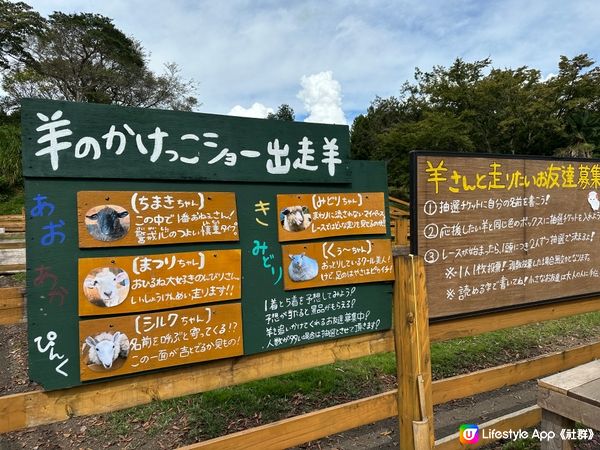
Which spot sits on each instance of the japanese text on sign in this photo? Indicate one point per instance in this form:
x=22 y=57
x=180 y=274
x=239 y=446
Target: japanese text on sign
x=117 y=285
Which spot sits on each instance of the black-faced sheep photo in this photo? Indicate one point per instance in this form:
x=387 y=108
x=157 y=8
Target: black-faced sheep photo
x=106 y=350
x=106 y=286
x=295 y=218
x=107 y=223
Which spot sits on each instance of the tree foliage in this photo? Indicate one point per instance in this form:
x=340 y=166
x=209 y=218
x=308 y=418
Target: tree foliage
x=473 y=107
x=17 y=23
x=285 y=112
x=85 y=58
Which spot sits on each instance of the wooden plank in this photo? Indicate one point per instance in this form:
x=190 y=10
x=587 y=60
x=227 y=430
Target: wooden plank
x=6 y=268
x=572 y=408
x=589 y=392
x=413 y=354
x=554 y=423
x=134 y=217
x=322 y=215
x=525 y=418
x=11 y=244
x=565 y=381
x=175 y=337
x=12 y=306
x=332 y=263
x=125 y=284
x=471 y=326
x=307 y=427
x=48 y=407
x=487 y=228
x=486 y=380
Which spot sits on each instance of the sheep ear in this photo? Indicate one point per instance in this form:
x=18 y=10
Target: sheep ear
x=285 y=212
x=122 y=214
x=90 y=341
x=92 y=217
x=291 y=256
x=121 y=276
x=303 y=254
x=116 y=336
x=89 y=283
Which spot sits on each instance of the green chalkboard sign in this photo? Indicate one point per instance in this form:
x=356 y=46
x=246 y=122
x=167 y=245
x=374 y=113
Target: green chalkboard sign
x=82 y=140
x=60 y=348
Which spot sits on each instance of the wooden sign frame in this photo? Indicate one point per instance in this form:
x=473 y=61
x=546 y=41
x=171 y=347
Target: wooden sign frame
x=554 y=200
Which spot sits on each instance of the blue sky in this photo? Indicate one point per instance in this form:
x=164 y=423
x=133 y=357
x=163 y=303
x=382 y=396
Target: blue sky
x=257 y=52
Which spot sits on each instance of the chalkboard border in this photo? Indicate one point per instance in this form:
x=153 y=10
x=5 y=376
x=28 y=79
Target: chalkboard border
x=414 y=236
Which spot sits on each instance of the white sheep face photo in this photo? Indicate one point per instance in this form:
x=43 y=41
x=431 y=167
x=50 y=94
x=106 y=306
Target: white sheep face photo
x=106 y=350
x=106 y=286
x=295 y=218
x=107 y=223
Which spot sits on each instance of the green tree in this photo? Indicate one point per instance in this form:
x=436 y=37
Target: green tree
x=285 y=112
x=85 y=58
x=11 y=174
x=471 y=106
x=17 y=23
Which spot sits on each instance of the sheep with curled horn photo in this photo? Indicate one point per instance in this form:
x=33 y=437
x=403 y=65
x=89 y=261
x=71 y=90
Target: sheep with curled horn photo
x=295 y=218
x=106 y=350
x=107 y=223
x=106 y=286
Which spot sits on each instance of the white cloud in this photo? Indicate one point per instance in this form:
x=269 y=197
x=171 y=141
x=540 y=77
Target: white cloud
x=322 y=98
x=257 y=110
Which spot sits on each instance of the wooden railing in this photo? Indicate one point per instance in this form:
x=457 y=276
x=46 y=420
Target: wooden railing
x=39 y=407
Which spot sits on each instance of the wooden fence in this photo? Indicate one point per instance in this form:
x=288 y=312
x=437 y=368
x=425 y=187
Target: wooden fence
x=12 y=243
x=412 y=402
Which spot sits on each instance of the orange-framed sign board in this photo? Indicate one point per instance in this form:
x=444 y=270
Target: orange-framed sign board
x=331 y=263
x=322 y=215
x=127 y=218
x=133 y=343
x=125 y=284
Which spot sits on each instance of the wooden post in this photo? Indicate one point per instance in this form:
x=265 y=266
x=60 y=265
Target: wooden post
x=401 y=231
x=413 y=354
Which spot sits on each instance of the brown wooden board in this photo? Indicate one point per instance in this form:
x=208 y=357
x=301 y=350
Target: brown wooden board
x=333 y=263
x=311 y=216
x=117 y=218
x=588 y=392
x=498 y=231
x=117 y=285
x=157 y=340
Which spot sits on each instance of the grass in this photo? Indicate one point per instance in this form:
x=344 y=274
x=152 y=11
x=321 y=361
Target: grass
x=226 y=410
x=12 y=202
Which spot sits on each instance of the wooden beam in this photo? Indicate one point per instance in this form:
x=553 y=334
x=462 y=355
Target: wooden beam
x=307 y=427
x=413 y=354
x=508 y=374
x=569 y=407
x=525 y=418
x=5 y=268
x=9 y=244
x=12 y=306
x=38 y=407
x=47 y=407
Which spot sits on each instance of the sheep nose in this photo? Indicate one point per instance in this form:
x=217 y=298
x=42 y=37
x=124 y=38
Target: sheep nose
x=108 y=294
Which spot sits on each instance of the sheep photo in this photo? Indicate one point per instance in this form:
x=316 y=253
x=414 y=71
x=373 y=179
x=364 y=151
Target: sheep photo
x=295 y=218
x=106 y=350
x=107 y=223
x=106 y=286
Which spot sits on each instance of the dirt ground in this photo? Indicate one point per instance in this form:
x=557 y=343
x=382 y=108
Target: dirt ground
x=86 y=432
